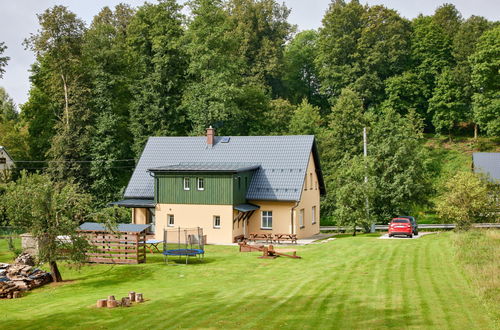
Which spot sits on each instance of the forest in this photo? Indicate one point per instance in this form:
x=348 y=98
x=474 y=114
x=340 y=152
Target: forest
x=99 y=91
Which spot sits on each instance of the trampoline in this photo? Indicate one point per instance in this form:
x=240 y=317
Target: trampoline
x=183 y=242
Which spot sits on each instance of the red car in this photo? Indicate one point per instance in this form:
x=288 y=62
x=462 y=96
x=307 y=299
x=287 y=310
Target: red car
x=400 y=226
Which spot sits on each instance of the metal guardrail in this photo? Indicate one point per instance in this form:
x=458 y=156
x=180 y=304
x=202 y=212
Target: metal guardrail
x=420 y=226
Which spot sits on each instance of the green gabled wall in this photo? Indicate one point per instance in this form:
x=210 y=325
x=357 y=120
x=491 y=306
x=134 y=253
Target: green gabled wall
x=220 y=188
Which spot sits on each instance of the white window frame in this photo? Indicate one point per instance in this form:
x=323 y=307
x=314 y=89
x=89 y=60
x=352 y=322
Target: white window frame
x=202 y=181
x=217 y=226
x=268 y=216
x=313 y=215
x=301 y=218
x=170 y=217
x=186 y=183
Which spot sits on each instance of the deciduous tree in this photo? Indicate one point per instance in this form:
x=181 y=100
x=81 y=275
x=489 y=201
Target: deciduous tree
x=48 y=209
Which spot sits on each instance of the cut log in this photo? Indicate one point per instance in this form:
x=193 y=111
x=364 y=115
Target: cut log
x=102 y=303
x=131 y=295
x=139 y=298
x=112 y=303
x=126 y=302
x=111 y=298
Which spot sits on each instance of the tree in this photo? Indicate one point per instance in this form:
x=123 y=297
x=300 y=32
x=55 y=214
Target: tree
x=7 y=107
x=485 y=64
x=448 y=18
x=353 y=194
x=467 y=198
x=400 y=171
x=341 y=139
x=300 y=74
x=3 y=59
x=337 y=43
x=262 y=29
x=63 y=79
x=59 y=41
x=48 y=209
x=306 y=119
x=277 y=118
x=383 y=51
x=106 y=60
x=449 y=104
x=406 y=92
x=158 y=63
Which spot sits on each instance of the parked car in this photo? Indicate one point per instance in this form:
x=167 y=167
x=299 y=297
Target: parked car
x=400 y=226
x=413 y=221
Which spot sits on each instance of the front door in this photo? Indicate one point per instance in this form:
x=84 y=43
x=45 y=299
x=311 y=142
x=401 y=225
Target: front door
x=151 y=219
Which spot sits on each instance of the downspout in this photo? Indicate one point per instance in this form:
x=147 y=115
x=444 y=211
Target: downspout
x=291 y=216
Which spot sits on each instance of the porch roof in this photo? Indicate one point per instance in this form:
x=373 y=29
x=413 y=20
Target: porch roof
x=246 y=207
x=122 y=227
x=147 y=203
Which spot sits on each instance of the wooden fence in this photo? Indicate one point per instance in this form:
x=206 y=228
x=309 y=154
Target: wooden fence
x=119 y=248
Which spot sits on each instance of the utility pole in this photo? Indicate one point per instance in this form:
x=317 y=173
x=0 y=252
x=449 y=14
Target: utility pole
x=365 y=154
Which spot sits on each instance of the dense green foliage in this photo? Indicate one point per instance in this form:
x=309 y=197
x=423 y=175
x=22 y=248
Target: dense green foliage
x=469 y=198
x=352 y=282
x=48 y=209
x=99 y=91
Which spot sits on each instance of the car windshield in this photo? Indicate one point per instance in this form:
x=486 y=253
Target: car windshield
x=400 y=221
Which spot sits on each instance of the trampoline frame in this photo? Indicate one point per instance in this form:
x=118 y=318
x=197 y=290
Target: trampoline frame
x=188 y=251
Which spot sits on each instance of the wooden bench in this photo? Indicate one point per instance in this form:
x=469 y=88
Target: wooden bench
x=239 y=238
x=285 y=237
x=267 y=237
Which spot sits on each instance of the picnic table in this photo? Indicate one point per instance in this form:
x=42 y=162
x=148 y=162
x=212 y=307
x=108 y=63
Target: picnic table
x=285 y=237
x=153 y=244
x=267 y=237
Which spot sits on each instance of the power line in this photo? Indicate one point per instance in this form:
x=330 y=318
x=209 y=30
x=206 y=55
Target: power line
x=73 y=161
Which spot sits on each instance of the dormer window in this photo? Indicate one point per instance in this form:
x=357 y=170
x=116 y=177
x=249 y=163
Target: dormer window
x=201 y=184
x=186 y=184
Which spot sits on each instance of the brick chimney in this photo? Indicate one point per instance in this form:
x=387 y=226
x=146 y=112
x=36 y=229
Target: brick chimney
x=210 y=136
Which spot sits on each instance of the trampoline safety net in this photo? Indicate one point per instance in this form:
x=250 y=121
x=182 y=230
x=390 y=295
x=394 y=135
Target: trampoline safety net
x=187 y=242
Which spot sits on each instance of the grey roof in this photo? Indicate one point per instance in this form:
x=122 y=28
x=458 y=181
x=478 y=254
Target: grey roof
x=487 y=163
x=207 y=167
x=135 y=203
x=122 y=227
x=246 y=207
x=283 y=162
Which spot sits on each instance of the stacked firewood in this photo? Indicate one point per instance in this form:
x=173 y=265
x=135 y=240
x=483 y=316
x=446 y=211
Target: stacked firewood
x=111 y=302
x=21 y=276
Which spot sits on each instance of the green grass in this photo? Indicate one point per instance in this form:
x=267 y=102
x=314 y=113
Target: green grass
x=351 y=282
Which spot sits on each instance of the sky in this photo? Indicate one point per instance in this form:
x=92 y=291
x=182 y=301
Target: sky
x=18 y=20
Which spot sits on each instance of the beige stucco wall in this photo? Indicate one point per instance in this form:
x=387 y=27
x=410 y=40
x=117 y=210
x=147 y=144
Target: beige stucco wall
x=310 y=197
x=282 y=221
x=191 y=216
x=140 y=216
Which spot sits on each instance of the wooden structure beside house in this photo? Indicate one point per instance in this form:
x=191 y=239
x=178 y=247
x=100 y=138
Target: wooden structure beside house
x=126 y=245
x=6 y=165
x=229 y=186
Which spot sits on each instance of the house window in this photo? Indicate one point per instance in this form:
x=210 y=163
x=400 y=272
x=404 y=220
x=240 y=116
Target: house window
x=246 y=182
x=301 y=218
x=267 y=220
x=310 y=181
x=186 y=184
x=313 y=215
x=3 y=160
x=316 y=184
x=170 y=220
x=201 y=184
x=216 y=221
x=239 y=182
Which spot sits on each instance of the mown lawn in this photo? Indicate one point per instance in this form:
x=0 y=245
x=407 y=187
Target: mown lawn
x=351 y=282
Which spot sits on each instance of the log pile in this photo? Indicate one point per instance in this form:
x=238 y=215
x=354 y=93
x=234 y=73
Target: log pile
x=21 y=276
x=111 y=302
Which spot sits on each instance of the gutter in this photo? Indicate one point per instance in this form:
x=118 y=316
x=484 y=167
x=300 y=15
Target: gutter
x=291 y=215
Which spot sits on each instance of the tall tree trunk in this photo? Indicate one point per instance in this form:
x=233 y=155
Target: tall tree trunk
x=475 y=131
x=66 y=101
x=54 y=271
x=354 y=230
